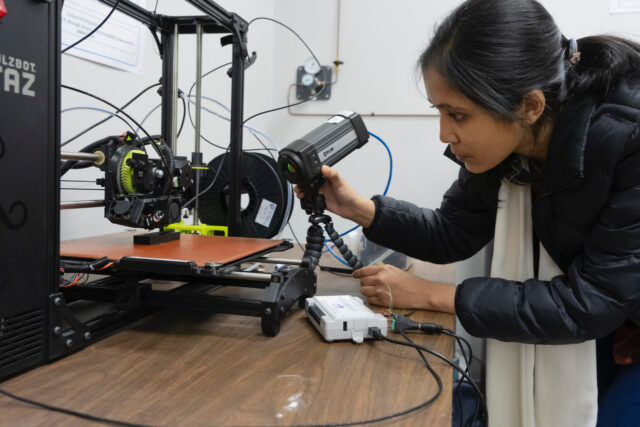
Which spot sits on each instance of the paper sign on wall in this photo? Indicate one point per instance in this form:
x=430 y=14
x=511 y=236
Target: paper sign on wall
x=118 y=43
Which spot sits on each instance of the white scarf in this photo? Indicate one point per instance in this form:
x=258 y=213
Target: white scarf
x=534 y=385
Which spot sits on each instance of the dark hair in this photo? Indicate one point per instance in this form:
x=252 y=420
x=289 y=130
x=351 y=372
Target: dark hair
x=496 y=51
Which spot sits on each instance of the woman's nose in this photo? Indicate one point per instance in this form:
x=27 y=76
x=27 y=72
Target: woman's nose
x=447 y=135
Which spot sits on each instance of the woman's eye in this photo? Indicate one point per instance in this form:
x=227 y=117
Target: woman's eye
x=458 y=117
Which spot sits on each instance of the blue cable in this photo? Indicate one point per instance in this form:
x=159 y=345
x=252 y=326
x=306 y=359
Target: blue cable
x=386 y=189
x=88 y=108
x=337 y=257
x=390 y=162
x=110 y=113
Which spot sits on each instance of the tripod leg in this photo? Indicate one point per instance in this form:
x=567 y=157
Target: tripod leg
x=342 y=247
x=313 y=251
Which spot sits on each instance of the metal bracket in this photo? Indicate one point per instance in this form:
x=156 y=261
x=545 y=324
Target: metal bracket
x=239 y=28
x=288 y=285
x=65 y=341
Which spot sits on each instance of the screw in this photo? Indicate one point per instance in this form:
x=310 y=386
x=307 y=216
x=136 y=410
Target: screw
x=57 y=300
x=275 y=279
x=282 y=310
x=267 y=311
x=157 y=217
x=69 y=343
x=57 y=330
x=87 y=336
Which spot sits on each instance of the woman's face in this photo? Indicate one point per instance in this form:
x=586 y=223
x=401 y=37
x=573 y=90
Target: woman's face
x=477 y=139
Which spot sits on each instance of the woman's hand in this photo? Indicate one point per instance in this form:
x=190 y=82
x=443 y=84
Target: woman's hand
x=407 y=290
x=342 y=199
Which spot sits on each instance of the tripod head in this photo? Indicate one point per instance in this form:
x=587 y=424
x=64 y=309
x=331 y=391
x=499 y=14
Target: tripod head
x=314 y=204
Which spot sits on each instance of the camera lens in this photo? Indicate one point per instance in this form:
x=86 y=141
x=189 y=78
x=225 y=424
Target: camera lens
x=289 y=168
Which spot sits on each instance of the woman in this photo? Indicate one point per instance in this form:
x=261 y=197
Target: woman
x=546 y=132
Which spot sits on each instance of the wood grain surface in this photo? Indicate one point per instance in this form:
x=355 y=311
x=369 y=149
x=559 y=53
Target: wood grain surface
x=177 y=368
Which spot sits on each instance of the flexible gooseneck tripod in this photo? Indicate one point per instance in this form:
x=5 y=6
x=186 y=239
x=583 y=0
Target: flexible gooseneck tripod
x=314 y=204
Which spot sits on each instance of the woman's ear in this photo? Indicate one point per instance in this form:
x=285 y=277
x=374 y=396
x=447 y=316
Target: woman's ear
x=532 y=106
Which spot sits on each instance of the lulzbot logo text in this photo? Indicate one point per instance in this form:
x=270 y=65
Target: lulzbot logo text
x=17 y=75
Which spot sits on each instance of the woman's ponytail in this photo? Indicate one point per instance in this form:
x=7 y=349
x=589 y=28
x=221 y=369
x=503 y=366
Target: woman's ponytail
x=604 y=61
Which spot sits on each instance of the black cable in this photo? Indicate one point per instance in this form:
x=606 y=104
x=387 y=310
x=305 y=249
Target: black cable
x=115 y=6
x=459 y=340
x=142 y=92
x=70 y=412
x=423 y=405
x=459 y=398
x=70 y=266
x=424 y=359
x=206 y=74
x=155 y=147
x=460 y=405
x=339 y=274
x=353 y=423
x=184 y=115
x=93 y=126
x=201 y=135
x=401 y=323
x=340 y=270
x=378 y=335
x=189 y=104
x=324 y=75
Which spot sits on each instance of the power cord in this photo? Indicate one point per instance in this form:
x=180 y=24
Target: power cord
x=115 y=6
x=401 y=324
x=70 y=412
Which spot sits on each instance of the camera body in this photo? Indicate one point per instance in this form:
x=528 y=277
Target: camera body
x=301 y=161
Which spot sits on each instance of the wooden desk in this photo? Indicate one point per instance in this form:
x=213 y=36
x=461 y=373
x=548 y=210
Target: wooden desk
x=195 y=369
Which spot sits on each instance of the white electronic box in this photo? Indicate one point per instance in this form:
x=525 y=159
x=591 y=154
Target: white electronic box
x=343 y=317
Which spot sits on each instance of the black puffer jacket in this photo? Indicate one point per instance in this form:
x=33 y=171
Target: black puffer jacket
x=587 y=216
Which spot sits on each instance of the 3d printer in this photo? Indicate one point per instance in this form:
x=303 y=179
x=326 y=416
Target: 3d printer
x=40 y=320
